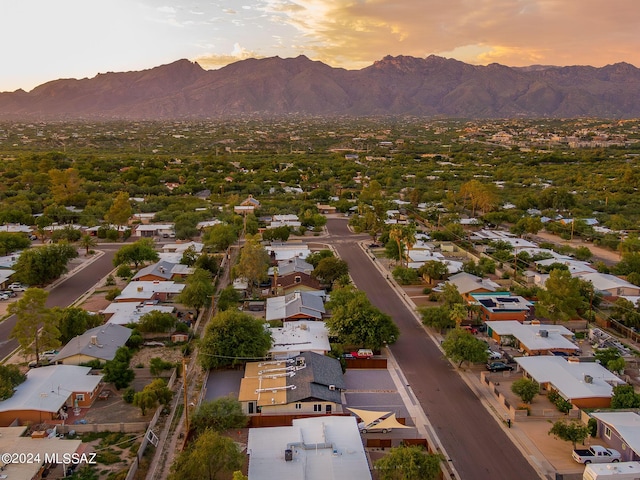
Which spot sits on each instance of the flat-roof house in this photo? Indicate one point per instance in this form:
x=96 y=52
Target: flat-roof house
x=295 y=306
x=154 y=230
x=327 y=447
x=621 y=430
x=98 y=343
x=584 y=384
x=307 y=384
x=279 y=251
x=533 y=339
x=501 y=306
x=47 y=390
x=149 y=291
x=611 y=285
x=293 y=338
x=123 y=313
x=15 y=441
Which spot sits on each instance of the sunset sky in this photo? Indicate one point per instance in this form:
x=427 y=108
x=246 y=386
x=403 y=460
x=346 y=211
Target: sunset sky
x=45 y=40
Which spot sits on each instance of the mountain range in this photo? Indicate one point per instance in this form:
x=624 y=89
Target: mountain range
x=402 y=85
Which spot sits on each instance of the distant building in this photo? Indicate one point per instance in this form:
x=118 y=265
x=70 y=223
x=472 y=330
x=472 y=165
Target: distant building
x=98 y=343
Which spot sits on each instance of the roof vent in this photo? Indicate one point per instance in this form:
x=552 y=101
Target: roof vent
x=588 y=379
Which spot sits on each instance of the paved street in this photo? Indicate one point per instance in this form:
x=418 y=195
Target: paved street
x=478 y=447
x=64 y=293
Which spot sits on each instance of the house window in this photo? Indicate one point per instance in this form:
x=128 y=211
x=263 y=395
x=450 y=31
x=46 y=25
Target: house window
x=298 y=406
x=328 y=408
x=317 y=407
x=80 y=397
x=607 y=432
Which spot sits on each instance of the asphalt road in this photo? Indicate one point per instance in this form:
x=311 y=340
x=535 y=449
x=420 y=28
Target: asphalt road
x=64 y=293
x=476 y=444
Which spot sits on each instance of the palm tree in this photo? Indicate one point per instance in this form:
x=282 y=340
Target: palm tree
x=396 y=234
x=87 y=242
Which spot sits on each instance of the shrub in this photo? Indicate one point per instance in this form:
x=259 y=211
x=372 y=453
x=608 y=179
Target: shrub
x=427 y=290
x=592 y=424
x=110 y=281
x=112 y=294
x=128 y=394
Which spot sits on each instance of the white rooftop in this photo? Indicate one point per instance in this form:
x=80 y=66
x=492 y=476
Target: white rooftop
x=302 y=336
x=47 y=388
x=569 y=377
x=130 y=312
x=146 y=290
x=322 y=448
x=529 y=335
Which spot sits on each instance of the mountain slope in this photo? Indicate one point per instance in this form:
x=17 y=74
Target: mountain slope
x=391 y=86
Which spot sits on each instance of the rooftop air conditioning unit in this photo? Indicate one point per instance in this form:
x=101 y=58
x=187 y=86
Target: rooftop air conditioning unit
x=544 y=333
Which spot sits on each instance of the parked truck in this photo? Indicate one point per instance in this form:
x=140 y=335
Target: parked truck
x=612 y=471
x=596 y=454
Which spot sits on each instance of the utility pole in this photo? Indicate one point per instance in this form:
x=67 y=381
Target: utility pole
x=186 y=403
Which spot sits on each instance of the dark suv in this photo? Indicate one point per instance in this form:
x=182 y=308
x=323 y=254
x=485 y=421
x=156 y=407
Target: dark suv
x=498 y=367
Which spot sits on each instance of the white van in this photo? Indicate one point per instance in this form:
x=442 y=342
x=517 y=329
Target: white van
x=613 y=471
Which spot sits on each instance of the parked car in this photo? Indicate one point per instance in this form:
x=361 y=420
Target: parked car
x=372 y=427
x=493 y=355
x=10 y=293
x=49 y=354
x=363 y=353
x=470 y=329
x=596 y=454
x=498 y=367
x=4 y=296
x=17 y=287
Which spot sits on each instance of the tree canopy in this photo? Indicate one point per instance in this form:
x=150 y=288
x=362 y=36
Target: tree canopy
x=233 y=337
x=409 y=463
x=210 y=457
x=461 y=346
x=136 y=253
x=36 y=328
x=356 y=322
x=560 y=300
x=219 y=415
x=42 y=265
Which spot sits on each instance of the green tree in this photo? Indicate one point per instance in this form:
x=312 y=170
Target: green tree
x=232 y=337
x=10 y=242
x=210 y=457
x=461 y=346
x=120 y=210
x=35 y=328
x=156 y=321
x=220 y=237
x=74 y=321
x=117 y=371
x=136 y=253
x=561 y=299
x=433 y=270
x=316 y=257
x=355 y=321
x=189 y=257
x=39 y=266
x=253 y=263
x=229 y=298
x=219 y=415
x=87 y=242
x=451 y=295
x=145 y=400
x=409 y=463
x=573 y=431
x=10 y=378
x=526 y=389
x=157 y=365
x=437 y=317
x=198 y=290
x=624 y=396
x=330 y=269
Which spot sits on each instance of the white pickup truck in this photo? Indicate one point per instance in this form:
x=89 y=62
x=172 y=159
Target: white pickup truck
x=596 y=454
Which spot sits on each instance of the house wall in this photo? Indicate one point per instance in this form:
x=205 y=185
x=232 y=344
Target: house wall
x=591 y=402
x=307 y=408
x=151 y=278
x=88 y=397
x=615 y=441
x=25 y=416
x=487 y=316
x=77 y=359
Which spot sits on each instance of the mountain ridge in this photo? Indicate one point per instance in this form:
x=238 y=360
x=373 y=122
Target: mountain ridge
x=393 y=85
